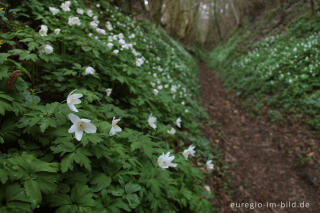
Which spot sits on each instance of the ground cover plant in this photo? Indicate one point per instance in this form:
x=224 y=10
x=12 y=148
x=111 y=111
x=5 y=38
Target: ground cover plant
x=98 y=113
x=280 y=72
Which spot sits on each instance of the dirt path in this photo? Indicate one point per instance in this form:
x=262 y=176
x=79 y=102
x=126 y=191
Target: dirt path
x=263 y=153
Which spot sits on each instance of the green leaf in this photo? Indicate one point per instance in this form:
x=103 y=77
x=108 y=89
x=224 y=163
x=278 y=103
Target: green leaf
x=28 y=56
x=133 y=200
x=36 y=165
x=131 y=188
x=15 y=192
x=101 y=180
x=47 y=182
x=32 y=46
x=67 y=163
x=82 y=195
x=117 y=192
x=67 y=209
x=57 y=200
x=3 y=57
x=33 y=192
x=81 y=158
x=3 y=176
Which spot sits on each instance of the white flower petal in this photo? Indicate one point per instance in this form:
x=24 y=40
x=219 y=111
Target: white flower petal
x=72 y=129
x=90 y=128
x=112 y=132
x=74 y=119
x=77 y=101
x=79 y=135
x=77 y=96
x=72 y=108
x=118 y=129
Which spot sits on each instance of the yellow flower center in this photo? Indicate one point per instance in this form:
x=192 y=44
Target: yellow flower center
x=72 y=100
x=81 y=125
x=115 y=125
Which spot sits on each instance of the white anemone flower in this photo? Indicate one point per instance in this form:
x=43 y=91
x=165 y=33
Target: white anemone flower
x=115 y=128
x=43 y=30
x=165 y=161
x=57 y=31
x=101 y=31
x=173 y=89
x=178 y=122
x=80 y=11
x=209 y=165
x=54 y=10
x=189 y=151
x=172 y=131
x=110 y=45
x=93 y=24
x=65 y=6
x=89 y=71
x=139 y=62
x=152 y=121
x=89 y=13
x=74 y=21
x=109 y=91
x=116 y=51
x=155 y=91
x=73 y=99
x=47 y=49
x=81 y=125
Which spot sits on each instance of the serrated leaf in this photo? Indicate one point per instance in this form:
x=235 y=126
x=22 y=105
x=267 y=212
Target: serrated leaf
x=36 y=165
x=43 y=126
x=81 y=195
x=3 y=57
x=67 y=163
x=33 y=192
x=117 y=192
x=32 y=46
x=102 y=180
x=57 y=200
x=47 y=183
x=3 y=176
x=131 y=188
x=133 y=200
x=15 y=192
x=81 y=158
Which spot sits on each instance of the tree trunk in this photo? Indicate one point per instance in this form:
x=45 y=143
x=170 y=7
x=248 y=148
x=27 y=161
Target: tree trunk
x=216 y=20
x=235 y=13
x=312 y=5
x=155 y=10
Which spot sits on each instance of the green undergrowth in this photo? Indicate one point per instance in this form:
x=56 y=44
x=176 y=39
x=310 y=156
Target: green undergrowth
x=279 y=74
x=110 y=67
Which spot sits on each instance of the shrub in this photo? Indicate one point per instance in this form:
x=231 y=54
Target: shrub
x=73 y=154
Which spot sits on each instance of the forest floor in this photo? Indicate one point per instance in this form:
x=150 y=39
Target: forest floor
x=262 y=156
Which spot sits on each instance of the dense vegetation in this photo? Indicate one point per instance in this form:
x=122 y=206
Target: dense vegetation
x=69 y=71
x=280 y=72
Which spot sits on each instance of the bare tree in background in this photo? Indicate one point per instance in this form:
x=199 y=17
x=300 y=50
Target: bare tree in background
x=235 y=13
x=155 y=10
x=211 y=20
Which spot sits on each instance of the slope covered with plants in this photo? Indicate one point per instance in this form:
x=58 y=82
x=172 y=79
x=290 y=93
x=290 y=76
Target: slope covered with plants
x=279 y=73
x=97 y=112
